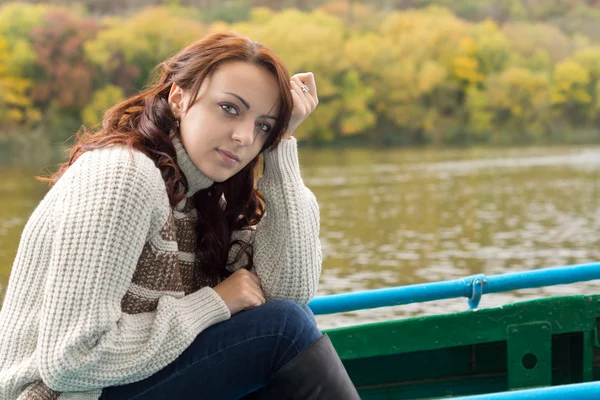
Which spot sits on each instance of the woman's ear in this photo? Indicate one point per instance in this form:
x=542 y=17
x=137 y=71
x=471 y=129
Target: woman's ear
x=175 y=100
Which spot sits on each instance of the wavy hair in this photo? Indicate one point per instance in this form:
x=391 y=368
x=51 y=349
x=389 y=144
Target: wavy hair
x=145 y=121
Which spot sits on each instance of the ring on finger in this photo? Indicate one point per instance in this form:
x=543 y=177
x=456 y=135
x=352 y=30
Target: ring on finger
x=305 y=88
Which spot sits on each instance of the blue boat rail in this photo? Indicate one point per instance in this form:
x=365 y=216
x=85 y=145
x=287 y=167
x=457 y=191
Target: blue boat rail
x=471 y=287
x=579 y=391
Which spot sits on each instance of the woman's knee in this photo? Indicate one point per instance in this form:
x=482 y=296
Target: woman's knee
x=293 y=322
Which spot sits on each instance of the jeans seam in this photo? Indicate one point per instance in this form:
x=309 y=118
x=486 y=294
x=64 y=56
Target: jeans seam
x=191 y=365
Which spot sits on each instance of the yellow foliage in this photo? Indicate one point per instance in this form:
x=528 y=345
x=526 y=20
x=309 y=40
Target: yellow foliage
x=142 y=39
x=341 y=9
x=17 y=19
x=465 y=67
x=527 y=38
x=466 y=45
x=570 y=83
x=260 y=15
x=320 y=124
x=316 y=45
x=480 y=116
x=524 y=95
x=589 y=59
x=15 y=105
x=356 y=116
x=517 y=88
x=102 y=100
x=597 y=92
x=491 y=48
x=357 y=15
x=368 y=52
x=431 y=76
x=420 y=72
x=431 y=33
x=219 y=26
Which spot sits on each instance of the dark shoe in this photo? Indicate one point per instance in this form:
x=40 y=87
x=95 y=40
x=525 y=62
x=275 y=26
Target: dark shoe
x=315 y=374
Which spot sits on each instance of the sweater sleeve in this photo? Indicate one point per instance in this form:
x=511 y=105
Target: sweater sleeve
x=107 y=212
x=287 y=251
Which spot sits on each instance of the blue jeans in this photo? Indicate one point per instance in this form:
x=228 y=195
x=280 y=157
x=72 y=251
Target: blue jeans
x=232 y=358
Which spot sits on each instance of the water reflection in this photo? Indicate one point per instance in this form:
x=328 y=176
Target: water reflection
x=397 y=217
x=404 y=217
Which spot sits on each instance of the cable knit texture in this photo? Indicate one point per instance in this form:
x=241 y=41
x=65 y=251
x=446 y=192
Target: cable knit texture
x=105 y=288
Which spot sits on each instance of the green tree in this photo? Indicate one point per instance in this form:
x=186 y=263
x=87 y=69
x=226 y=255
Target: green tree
x=102 y=100
x=570 y=91
x=16 y=22
x=16 y=109
x=126 y=50
x=589 y=59
x=519 y=101
x=493 y=50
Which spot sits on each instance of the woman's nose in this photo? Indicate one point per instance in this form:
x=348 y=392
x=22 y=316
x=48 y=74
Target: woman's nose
x=244 y=134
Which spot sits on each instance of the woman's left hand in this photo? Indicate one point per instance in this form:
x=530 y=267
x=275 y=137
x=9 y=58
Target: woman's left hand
x=304 y=101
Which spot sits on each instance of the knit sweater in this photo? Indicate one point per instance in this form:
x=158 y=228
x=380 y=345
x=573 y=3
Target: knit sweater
x=105 y=288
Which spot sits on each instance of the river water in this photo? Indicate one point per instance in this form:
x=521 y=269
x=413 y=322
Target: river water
x=404 y=216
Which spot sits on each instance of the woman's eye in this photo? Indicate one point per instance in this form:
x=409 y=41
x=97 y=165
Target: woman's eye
x=228 y=108
x=266 y=128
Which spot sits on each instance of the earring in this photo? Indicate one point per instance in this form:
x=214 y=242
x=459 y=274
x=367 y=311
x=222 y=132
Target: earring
x=177 y=123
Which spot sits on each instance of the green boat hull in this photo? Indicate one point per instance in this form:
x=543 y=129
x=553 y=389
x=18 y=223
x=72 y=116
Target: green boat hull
x=535 y=343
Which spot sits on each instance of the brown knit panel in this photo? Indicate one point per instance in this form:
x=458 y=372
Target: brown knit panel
x=133 y=304
x=167 y=232
x=158 y=270
x=186 y=234
x=163 y=270
x=39 y=391
x=187 y=277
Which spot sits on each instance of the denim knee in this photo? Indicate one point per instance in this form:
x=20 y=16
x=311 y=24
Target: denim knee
x=295 y=323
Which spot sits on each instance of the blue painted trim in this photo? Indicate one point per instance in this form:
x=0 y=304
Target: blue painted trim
x=476 y=288
x=579 y=391
x=472 y=287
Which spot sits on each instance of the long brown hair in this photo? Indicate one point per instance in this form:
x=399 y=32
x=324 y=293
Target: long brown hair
x=145 y=121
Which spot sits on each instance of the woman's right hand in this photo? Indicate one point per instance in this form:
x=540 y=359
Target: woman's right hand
x=241 y=291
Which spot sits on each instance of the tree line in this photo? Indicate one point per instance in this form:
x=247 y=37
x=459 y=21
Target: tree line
x=389 y=72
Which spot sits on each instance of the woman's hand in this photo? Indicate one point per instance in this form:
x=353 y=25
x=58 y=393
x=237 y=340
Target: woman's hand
x=304 y=101
x=241 y=291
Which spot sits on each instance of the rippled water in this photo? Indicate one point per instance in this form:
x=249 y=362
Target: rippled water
x=398 y=217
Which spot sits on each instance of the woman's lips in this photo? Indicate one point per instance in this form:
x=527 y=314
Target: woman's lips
x=228 y=157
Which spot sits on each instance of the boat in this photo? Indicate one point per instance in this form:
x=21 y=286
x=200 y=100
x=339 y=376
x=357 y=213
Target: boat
x=545 y=348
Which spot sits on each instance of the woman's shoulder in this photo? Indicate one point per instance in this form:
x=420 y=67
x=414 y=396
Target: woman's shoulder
x=120 y=158
x=116 y=164
x=114 y=177
x=114 y=173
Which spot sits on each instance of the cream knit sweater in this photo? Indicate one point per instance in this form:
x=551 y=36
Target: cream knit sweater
x=104 y=289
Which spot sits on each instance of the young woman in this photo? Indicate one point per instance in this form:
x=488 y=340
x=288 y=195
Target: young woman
x=155 y=268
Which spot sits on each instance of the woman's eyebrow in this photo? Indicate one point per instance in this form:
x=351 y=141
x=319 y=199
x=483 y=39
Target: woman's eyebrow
x=245 y=103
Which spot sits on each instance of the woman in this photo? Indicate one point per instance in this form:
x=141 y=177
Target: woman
x=155 y=268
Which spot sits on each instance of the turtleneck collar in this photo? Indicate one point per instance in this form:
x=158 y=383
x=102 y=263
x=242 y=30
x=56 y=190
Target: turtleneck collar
x=196 y=180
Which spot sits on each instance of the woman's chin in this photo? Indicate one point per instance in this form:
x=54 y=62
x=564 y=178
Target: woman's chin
x=218 y=176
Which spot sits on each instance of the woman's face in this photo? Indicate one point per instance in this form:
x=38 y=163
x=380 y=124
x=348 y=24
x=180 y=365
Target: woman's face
x=229 y=122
